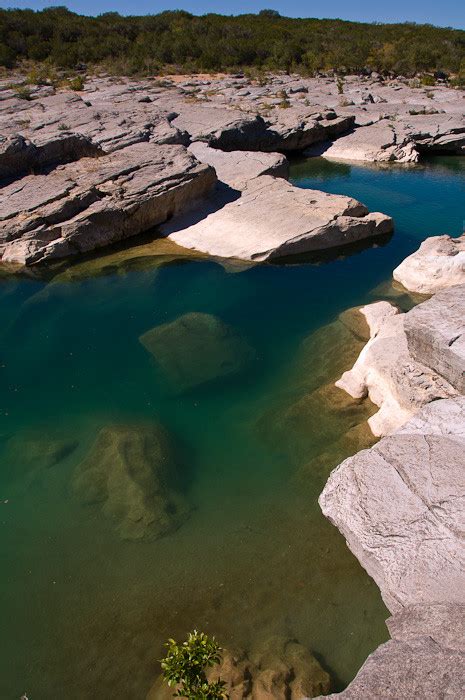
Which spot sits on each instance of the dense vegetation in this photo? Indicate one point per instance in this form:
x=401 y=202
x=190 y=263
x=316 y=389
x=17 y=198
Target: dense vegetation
x=182 y=42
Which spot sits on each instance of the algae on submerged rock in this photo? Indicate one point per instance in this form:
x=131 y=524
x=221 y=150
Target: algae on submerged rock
x=197 y=348
x=131 y=471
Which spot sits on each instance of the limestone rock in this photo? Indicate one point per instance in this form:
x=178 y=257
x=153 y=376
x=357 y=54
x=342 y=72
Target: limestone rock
x=97 y=201
x=235 y=168
x=273 y=219
x=131 y=471
x=438 y=263
x=400 y=506
x=389 y=374
x=435 y=332
x=424 y=659
x=197 y=348
x=416 y=669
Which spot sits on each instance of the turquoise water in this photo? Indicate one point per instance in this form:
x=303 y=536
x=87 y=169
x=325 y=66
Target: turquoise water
x=85 y=612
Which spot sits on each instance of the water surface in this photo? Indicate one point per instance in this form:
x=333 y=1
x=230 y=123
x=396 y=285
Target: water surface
x=84 y=612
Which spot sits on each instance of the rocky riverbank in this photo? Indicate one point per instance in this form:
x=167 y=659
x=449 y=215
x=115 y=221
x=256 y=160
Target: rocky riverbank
x=400 y=503
x=83 y=170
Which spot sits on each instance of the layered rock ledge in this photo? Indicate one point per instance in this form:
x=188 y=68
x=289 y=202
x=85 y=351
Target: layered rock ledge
x=93 y=202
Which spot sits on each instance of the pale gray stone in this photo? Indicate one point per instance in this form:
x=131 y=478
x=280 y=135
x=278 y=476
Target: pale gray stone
x=437 y=264
x=435 y=332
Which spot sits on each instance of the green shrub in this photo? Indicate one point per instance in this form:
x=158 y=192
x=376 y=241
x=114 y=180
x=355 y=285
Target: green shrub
x=427 y=80
x=77 y=83
x=184 y=668
x=23 y=93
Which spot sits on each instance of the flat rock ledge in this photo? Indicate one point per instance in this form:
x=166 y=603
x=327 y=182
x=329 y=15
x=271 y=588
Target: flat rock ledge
x=438 y=263
x=255 y=214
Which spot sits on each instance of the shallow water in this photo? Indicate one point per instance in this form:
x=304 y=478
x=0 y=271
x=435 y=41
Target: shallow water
x=84 y=612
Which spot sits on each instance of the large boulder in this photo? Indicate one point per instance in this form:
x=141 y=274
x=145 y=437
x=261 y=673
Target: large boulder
x=435 y=332
x=400 y=506
x=197 y=348
x=131 y=471
x=437 y=264
x=93 y=202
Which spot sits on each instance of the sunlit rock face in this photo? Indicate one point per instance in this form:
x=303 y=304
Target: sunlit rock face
x=130 y=471
x=197 y=348
x=439 y=263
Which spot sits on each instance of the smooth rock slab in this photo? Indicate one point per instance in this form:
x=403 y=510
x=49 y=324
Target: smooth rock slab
x=437 y=264
x=401 y=505
x=235 y=168
x=273 y=219
x=91 y=203
x=197 y=348
x=418 y=669
x=131 y=471
x=435 y=332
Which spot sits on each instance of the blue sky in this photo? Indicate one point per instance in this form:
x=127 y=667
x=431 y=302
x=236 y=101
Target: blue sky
x=444 y=13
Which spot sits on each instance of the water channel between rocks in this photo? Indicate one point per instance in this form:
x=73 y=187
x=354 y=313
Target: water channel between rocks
x=87 y=600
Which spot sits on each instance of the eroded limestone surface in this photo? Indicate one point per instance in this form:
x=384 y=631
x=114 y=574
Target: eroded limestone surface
x=97 y=201
x=389 y=373
x=132 y=473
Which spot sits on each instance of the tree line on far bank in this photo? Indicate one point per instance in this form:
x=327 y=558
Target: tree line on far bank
x=180 y=42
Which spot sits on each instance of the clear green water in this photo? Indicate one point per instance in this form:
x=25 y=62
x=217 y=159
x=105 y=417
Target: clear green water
x=84 y=613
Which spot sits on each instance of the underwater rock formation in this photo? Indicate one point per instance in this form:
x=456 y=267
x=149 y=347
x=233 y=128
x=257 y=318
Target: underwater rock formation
x=279 y=668
x=132 y=472
x=197 y=348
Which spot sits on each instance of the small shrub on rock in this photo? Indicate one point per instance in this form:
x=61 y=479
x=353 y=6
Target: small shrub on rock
x=184 y=668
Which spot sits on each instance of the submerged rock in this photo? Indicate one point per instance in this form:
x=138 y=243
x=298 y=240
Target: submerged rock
x=314 y=421
x=437 y=264
x=197 y=348
x=132 y=472
x=31 y=451
x=279 y=668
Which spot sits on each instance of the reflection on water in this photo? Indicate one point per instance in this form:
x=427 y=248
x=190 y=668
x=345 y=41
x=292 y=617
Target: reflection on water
x=236 y=544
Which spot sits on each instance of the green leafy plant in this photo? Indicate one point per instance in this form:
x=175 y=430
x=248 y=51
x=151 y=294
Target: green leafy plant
x=185 y=664
x=77 y=83
x=340 y=85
